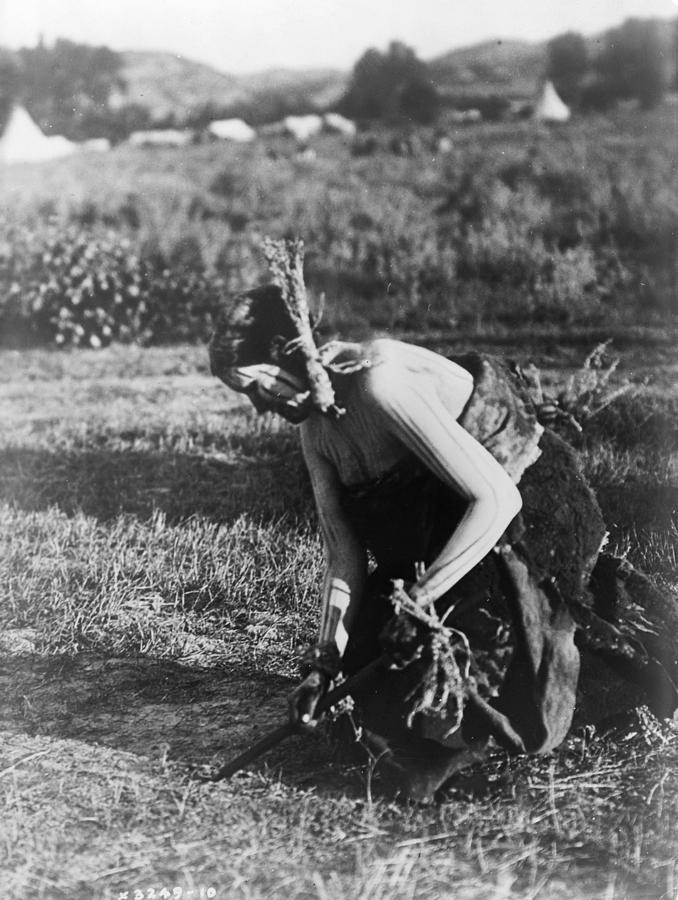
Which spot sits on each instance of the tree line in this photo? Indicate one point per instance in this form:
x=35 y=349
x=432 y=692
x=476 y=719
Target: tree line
x=68 y=87
x=636 y=62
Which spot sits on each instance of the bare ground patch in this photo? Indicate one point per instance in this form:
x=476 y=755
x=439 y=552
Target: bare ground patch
x=159 y=709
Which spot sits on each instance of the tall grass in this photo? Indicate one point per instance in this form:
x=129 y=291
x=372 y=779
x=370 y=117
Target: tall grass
x=517 y=224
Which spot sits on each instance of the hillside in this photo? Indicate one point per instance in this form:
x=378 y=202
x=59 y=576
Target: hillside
x=170 y=85
x=498 y=66
x=322 y=87
x=165 y=83
x=516 y=67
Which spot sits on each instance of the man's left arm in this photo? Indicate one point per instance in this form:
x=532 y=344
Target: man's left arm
x=415 y=415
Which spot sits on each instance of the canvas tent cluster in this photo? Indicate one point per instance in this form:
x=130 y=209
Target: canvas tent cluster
x=236 y=130
x=23 y=141
x=304 y=127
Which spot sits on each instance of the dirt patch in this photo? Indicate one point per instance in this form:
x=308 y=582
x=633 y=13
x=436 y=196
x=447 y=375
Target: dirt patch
x=149 y=707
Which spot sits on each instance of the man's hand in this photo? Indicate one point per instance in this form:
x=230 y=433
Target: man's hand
x=304 y=698
x=402 y=640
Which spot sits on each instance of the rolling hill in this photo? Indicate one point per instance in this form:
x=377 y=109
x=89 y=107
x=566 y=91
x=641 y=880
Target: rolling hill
x=170 y=85
x=165 y=83
x=498 y=66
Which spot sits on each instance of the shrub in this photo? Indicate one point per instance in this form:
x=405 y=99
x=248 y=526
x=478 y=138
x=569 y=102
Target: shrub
x=568 y=288
x=512 y=226
x=74 y=286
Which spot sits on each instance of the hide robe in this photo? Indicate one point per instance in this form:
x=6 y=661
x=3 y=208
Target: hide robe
x=555 y=628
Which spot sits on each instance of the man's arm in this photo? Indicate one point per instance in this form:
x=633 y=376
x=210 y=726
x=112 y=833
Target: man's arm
x=345 y=556
x=343 y=583
x=412 y=411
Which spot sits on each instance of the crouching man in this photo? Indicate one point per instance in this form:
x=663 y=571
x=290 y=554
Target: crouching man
x=487 y=597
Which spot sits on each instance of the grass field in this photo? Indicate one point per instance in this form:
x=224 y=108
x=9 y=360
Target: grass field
x=518 y=225
x=159 y=568
x=159 y=557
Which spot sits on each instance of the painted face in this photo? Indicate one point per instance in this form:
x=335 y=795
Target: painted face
x=271 y=388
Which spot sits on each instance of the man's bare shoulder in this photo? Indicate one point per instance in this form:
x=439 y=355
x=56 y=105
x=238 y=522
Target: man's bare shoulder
x=397 y=368
x=389 y=357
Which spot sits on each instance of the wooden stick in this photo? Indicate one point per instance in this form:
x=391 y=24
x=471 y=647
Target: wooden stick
x=285 y=730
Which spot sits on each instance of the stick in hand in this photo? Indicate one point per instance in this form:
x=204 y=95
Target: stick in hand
x=279 y=734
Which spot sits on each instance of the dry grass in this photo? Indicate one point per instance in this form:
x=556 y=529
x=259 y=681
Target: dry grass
x=597 y=819
x=159 y=565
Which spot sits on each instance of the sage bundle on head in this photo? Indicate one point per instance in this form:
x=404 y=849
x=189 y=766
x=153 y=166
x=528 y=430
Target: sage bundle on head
x=285 y=259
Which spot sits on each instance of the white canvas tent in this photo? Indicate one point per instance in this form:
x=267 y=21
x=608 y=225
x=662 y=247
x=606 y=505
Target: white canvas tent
x=303 y=127
x=22 y=141
x=96 y=145
x=232 y=130
x=465 y=116
x=339 y=124
x=549 y=107
x=160 y=137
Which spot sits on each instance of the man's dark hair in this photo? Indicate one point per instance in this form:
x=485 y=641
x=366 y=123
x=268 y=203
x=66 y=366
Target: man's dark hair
x=244 y=331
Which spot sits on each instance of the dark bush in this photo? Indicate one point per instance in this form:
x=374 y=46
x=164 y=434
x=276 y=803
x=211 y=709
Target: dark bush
x=598 y=95
x=225 y=184
x=567 y=63
x=633 y=61
x=390 y=86
x=70 y=285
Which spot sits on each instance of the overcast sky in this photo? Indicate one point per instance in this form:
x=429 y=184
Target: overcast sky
x=249 y=35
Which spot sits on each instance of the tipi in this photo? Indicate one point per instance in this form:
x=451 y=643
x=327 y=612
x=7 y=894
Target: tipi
x=232 y=130
x=339 y=124
x=549 y=107
x=303 y=127
x=22 y=141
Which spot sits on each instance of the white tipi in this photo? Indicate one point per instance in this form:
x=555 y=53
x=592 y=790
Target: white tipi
x=232 y=130
x=549 y=107
x=22 y=141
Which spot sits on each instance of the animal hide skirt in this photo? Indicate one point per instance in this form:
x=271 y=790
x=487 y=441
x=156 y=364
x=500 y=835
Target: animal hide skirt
x=548 y=626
